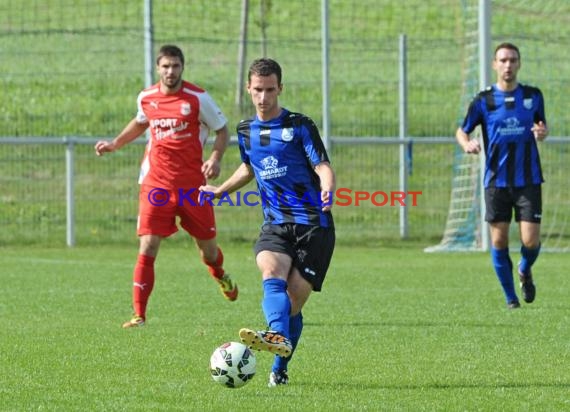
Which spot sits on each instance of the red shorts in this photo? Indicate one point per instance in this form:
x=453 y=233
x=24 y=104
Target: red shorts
x=158 y=209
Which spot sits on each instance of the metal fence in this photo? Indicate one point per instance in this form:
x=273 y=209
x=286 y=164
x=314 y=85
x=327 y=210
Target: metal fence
x=56 y=191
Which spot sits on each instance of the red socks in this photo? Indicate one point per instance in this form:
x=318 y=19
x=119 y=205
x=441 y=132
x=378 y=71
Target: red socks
x=215 y=268
x=143 y=279
x=143 y=282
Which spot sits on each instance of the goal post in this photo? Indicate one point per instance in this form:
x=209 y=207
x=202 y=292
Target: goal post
x=465 y=228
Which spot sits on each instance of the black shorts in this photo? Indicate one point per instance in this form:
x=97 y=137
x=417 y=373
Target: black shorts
x=526 y=202
x=310 y=247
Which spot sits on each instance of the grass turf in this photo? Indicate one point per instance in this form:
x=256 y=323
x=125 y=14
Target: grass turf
x=393 y=329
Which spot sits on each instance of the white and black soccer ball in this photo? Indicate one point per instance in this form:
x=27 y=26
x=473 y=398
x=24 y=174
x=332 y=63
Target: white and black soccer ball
x=232 y=364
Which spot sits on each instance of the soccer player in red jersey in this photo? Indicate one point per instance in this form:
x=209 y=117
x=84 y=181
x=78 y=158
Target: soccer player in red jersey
x=180 y=116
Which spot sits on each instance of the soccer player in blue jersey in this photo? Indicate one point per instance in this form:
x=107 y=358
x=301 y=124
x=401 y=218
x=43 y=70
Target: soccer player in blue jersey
x=284 y=152
x=512 y=120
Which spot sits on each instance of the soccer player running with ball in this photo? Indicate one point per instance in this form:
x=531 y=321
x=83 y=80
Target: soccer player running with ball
x=512 y=120
x=284 y=152
x=180 y=116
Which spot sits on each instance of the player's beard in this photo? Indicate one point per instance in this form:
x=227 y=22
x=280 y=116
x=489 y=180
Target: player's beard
x=172 y=84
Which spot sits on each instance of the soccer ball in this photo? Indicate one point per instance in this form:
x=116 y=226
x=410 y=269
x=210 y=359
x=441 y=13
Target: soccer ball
x=232 y=364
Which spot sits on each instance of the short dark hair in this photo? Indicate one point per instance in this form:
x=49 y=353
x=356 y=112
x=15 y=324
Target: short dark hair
x=171 y=51
x=507 y=45
x=264 y=67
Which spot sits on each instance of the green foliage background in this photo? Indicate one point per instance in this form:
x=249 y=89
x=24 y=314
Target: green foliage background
x=74 y=67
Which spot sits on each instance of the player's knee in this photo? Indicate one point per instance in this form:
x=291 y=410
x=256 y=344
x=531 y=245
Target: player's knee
x=149 y=245
x=530 y=243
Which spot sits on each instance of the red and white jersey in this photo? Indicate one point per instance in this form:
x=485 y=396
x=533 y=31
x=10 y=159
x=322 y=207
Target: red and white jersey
x=180 y=124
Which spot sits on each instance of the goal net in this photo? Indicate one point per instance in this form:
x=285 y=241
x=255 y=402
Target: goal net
x=463 y=226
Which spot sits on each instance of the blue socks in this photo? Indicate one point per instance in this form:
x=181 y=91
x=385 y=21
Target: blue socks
x=295 y=329
x=276 y=305
x=528 y=258
x=277 y=308
x=504 y=270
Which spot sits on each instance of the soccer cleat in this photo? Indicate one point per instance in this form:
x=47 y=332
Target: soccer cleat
x=228 y=288
x=528 y=289
x=278 y=378
x=135 y=322
x=513 y=304
x=269 y=341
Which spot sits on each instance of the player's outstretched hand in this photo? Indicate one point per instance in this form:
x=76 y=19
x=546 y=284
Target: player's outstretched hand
x=103 y=146
x=209 y=191
x=540 y=131
x=211 y=169
x=472 y=147
x=326 y=200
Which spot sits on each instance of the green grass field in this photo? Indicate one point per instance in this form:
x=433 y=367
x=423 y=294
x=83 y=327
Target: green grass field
x=394 y=329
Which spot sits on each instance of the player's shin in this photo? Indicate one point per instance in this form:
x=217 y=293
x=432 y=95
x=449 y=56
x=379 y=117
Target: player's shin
x=528 y=257
x=295 y=330
x=216 y=268
x=143 y=283
x=504 y=270
x=276 y=305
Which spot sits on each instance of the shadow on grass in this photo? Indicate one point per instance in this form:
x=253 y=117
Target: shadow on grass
x=436 y=385
x=411 y=324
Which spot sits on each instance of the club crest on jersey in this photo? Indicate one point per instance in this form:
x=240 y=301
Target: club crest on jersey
x=185 y=109
x=271 y=168
x=269 y=162
x=511 y=122
x=527 y=103
x=287 y=134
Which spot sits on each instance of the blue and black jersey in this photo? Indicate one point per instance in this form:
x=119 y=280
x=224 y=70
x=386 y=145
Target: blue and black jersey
x=283 y=153
x=506 y=119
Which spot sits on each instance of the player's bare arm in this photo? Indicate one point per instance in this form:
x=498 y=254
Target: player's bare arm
x=328 y=184
x=470 y=146
x=129 y=133
x=211 y=167
x=242 y=176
